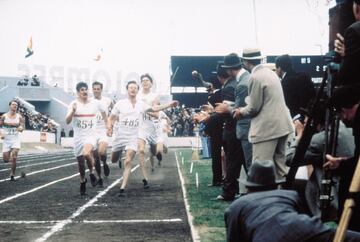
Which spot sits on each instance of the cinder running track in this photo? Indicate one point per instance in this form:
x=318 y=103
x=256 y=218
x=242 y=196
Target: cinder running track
x=46 y=205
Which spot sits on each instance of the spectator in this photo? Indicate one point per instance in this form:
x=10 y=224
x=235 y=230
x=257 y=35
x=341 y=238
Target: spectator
x=63 y=134
x=234 y=152
x=268 y=131
x=346 y=101
x=35 y=81
x=314 y=157
x=267 y=214
x=297 y=87
x=350 y=50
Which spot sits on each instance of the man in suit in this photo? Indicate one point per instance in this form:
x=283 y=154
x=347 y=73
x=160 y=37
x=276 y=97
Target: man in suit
x=297 y=87
x=315 y=156
x=350 y=50
x=234 y=153
x=270 y=118
x=267 y=214
x=346 y=101
x=214 y=128
x=242 y=77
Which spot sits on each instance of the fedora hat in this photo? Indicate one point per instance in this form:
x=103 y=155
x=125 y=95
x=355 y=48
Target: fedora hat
x=252 y=54
x=262 y=174
x=231 y=61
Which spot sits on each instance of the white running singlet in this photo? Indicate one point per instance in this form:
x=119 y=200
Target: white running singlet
x=128 y=126
x=10 y=129
x=84 y=123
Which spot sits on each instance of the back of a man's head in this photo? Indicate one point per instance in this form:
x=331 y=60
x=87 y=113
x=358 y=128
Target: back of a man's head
x=345 y=96
x=284 y=62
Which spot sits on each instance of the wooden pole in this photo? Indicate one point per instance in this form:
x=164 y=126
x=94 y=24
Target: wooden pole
x=349 y=205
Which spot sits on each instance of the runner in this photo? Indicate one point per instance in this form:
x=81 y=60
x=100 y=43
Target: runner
x=12 y=123
x=82 y=113
x=147 y=130
x=162 y=129
x=129 y=112
x=102 y=138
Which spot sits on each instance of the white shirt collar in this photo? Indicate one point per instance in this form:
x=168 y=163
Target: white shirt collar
x=238 y=75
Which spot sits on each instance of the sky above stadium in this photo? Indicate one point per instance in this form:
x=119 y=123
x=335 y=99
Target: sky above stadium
x=137 y=36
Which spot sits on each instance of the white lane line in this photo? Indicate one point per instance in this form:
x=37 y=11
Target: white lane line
x=60 y=225
x=37 y=188
x=35 y=164
x=43 y=170
x=169 y=220
x=194 y=233
x=28 y=222
x=31 y=159
x=134 y=221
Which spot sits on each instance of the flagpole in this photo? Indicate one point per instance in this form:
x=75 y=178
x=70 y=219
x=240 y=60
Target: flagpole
x=255 y=23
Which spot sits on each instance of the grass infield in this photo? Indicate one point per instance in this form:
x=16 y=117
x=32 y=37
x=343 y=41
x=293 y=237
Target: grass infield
x=207 y=212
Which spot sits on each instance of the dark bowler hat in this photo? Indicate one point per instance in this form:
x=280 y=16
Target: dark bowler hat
x=220 y=70
x=262 y=174
x=231 y=61
x=252 y=54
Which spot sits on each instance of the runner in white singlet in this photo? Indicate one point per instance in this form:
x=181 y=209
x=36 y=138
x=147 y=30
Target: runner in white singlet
x=161 y=128
x=129 y=113
x=147 y=130
x=82 y=113
x=12 y=123
x=102 y=138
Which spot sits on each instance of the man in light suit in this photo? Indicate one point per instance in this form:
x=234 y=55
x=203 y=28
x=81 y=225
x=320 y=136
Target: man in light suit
x=270 y=118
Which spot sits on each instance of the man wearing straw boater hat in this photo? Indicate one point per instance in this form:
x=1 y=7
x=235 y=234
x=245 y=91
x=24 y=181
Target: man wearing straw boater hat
x=270 y=118
x=271 y=215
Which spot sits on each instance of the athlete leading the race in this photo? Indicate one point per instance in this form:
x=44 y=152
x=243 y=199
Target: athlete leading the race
x=82 y=113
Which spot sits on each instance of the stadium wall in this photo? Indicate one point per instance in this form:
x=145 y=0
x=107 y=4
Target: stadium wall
x=31 y=136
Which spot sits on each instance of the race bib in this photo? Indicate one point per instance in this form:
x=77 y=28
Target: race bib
x=84 y=124
x=130 y=122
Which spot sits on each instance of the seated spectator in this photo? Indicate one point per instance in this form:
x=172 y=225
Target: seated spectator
x=62 y=134
x=314 y=157
x=25 y=81
x=35 y=81
x=20 y=82
x=268 y=214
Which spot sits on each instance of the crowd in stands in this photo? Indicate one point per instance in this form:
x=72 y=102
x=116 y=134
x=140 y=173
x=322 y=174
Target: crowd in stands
x=181 y=121
x=35 y=120
x=26 y=81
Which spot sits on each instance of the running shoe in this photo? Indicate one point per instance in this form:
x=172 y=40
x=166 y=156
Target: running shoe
x=146 y=184
x=93 y=180
x=12 y=178
x=122 y=193
x=106 y=170
x=100 y=183
x=83 y=187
